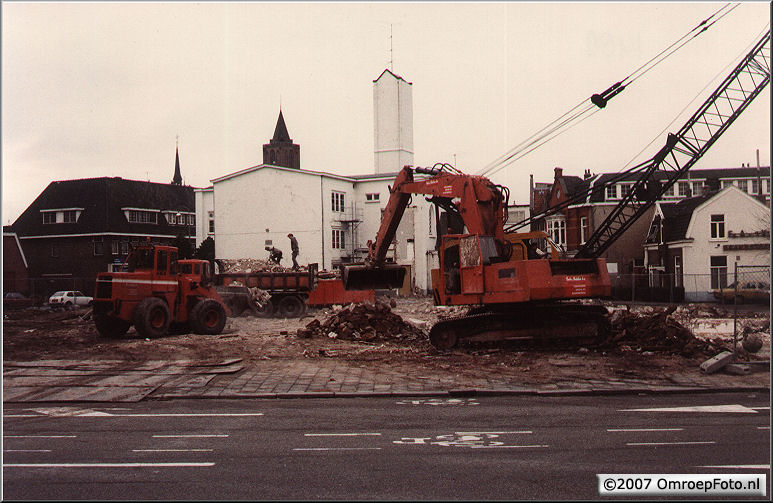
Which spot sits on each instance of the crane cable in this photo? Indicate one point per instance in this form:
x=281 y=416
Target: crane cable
x=550 y=131
x=623 y=175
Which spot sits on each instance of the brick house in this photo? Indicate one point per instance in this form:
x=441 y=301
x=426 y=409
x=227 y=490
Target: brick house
x=77 y=228
x=601 y=193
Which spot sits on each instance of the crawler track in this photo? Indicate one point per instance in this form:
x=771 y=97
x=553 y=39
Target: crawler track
x=531 y=326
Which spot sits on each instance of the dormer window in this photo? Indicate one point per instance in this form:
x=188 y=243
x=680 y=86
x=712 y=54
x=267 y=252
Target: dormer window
x=61 y=215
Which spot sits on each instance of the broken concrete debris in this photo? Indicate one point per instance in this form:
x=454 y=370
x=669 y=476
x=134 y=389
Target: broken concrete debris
x=366 y=322
x=654 y=330
x=717 y=363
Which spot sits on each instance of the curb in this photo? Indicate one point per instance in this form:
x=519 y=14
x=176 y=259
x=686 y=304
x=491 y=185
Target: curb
x=469 y=393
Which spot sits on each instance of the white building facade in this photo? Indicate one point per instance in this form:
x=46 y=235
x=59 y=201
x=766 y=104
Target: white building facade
x=727 y=228
x=332 y=216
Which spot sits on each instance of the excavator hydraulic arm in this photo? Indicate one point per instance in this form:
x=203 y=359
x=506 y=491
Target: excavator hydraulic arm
x=480 y=205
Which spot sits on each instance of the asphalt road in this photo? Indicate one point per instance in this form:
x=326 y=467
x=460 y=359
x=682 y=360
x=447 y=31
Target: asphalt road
x=528 y=447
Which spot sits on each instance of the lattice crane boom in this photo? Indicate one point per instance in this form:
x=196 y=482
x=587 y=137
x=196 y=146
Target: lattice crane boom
x=684 y=148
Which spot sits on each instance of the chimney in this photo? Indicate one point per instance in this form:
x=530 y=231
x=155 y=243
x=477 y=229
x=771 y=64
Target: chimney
x=586 y=175
x=558 y=172
x=760 y=194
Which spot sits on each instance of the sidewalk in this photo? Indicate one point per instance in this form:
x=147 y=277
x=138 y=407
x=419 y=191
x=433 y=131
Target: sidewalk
x=119 y=381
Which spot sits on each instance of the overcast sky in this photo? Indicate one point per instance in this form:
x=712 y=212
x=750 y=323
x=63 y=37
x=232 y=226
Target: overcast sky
x=104 y=89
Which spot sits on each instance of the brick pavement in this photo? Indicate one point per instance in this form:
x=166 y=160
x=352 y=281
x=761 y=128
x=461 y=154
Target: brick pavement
x=119 y=381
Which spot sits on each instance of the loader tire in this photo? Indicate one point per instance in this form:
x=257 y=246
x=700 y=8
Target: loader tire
x=110 y=327
x=152 y=318
x=291 y=307
x=208 y=317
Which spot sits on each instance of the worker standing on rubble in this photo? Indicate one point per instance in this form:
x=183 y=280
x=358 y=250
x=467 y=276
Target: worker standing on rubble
x=294 y=247
x=275 y=254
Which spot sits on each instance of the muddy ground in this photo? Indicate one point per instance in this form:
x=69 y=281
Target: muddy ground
x=645 y=342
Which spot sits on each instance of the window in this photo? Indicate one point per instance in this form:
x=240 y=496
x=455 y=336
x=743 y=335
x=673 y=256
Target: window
x=557 y=231
x=211 y=222
x=755 y=187
x=697 y=188
x=612 y=192
x=372 y=198
x=161 y=263
x=743 y=185
x=718 y=272
x=583 y=229
x=142 y=217
x=70 y=216
x=717 y=226
x=124 y=247
x=337 y=199
x=726 y=183
x=684 y=188
x=99 y=246
x=677 y=271
x=49 y=217
x=339 y=242
x=54 y=250
x=767 y=186
x=114 y=247
x=625 y=188
x=669 y=192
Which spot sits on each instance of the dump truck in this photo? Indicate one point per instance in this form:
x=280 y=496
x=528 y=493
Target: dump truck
x=286 y=294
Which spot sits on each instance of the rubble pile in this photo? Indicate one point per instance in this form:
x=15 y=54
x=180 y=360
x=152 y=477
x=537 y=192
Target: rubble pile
x=366 y=322
x=655 y=330
x=248 y=265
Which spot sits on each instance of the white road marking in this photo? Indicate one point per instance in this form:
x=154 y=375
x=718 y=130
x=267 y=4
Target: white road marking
x=492 y=432
x=172 y=450
x=763 y=427
x=337 y=449
x=761 y=408
x=71 y=412
x=645 y=429
x=698 y=408
x=340 y=434
x=26 y=450
x=504 y=446
x=739 y=467
x=671 y=443
x=104 y=465
x=189 y=415
x=40 y=436
x=189 y=436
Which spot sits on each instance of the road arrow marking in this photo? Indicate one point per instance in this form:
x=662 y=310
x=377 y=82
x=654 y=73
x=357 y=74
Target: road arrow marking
x=698 y=408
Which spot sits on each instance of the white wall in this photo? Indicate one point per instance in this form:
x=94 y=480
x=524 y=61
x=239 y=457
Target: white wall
x=392 y=123
x=205 y=202
x=742 y=213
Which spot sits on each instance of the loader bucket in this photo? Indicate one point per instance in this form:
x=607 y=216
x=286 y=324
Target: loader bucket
x=360 y=277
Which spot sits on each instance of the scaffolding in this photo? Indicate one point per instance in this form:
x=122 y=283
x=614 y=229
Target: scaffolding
x=350 y=220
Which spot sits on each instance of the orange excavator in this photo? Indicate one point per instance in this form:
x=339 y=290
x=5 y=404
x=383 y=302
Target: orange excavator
x=512 y=291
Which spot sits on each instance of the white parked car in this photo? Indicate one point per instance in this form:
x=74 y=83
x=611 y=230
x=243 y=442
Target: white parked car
x=69 y=299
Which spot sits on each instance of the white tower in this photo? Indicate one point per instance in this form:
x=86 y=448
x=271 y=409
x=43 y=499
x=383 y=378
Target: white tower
x=392 y=122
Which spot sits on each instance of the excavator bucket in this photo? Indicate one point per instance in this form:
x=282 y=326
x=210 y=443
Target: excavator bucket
x=360 y=277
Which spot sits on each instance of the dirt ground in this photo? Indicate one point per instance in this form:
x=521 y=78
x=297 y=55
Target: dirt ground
x=638 y=346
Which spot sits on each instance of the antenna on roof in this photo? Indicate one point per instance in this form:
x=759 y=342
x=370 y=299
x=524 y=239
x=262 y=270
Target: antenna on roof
x=391 y=53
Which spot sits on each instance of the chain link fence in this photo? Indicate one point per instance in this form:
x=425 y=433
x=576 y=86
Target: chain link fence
x=656 y=286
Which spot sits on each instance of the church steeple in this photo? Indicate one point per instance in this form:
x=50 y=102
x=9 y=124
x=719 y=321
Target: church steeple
x=281 y=151
x=177 y=179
